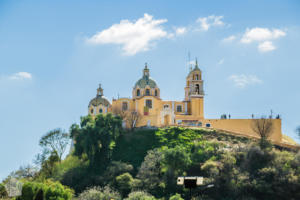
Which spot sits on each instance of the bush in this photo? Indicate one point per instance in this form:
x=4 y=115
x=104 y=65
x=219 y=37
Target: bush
x=46 y=190
x=98 y=193
x=3 y=192
x=140 y=195
x=176 y=197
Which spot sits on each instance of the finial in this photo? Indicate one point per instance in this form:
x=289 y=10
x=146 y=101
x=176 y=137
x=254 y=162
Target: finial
x=196 y=64
x=100 y=91
x=146 y=65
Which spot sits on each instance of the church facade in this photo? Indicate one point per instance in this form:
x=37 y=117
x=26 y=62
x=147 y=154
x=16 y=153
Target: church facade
x=155 y=112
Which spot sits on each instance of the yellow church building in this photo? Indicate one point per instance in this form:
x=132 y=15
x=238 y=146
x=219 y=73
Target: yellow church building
x=155 y=112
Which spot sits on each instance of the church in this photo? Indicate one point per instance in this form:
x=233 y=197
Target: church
x=155 y=112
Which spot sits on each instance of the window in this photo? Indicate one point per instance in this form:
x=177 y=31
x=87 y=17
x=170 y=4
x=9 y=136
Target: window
x=147 y=92
x=197 y=89
x=166 y=106
x=92 y=111
x=156 y=93
x=100 y=110
x=149 y=103
x=124 y=106
x=179 y=108
x=138 y=93
x=197 y=77
x=207 y=125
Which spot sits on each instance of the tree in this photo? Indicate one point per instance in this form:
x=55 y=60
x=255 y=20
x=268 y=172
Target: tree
x=264 y=128
x=3 y=192
x=140 y=195
x=96 y=138
x=133 y=117
x=124 y=183
x=98 y=193
x=55 y=141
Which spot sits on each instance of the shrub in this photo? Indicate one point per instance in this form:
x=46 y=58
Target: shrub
x=3 y=192
x=48 y=190
x=176 y=197
x=98 y=193
x=140 y=195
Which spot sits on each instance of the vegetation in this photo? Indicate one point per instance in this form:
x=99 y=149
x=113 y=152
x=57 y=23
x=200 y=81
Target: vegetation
x=108 y=162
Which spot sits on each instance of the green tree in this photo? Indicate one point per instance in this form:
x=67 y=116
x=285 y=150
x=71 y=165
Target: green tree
x=124 y=183
x=3 y=192
x=55 y=141
x=96 y=138
x=176 y=197
x=98 y=193
x=140 y=195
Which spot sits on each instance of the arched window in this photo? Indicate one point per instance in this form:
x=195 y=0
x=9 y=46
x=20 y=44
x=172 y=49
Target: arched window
x=100 y=110
x=124 y=106
x=197 y=89
x=197 y=77
x=166 y=106
x=92 y=111
x=147 y=92
x=179 y=108
x=138 y=93
x=156 y=93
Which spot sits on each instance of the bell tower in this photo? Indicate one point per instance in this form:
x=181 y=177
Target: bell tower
x=194 y=92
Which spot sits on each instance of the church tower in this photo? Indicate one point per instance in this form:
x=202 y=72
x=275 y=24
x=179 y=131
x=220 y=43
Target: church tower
x=194 y=91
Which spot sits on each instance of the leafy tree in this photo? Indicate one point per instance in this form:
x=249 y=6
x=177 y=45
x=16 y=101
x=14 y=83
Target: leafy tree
x=124 y=183
x=48 y=190
x=3 y=192
x=98 y=193
x=55 y=141
x=140 y=195
x=150 y=173
x=115 y=169
x=176 y=197
x=96 y=138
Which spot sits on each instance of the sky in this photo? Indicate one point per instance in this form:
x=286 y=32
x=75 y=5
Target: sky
x=53 y=55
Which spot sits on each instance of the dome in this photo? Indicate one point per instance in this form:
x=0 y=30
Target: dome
x=143 y=82
x=98 y=101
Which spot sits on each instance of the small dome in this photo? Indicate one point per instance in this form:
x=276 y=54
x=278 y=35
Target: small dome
x=98 y=101
x=143 y=82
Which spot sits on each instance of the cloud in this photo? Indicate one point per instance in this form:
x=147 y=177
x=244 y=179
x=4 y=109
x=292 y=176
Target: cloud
x=180 y=30
x=266 y=46
x=210 y=21
x=243 y=80
x=229 y=39
x=20 y=76
x=133 y=36
x=263 y=36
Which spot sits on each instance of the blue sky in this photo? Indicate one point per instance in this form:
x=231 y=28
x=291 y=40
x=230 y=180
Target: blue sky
x=54 y=54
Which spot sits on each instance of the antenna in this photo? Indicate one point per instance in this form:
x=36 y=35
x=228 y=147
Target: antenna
x=189 y=55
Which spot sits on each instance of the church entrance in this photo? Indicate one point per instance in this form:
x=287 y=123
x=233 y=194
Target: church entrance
x=166 y=120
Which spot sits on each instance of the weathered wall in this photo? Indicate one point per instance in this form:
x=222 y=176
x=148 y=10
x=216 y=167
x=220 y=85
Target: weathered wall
x=244 y=127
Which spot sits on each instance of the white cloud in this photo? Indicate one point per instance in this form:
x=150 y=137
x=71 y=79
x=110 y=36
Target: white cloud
x=266 y=46
x=261 y=34
x=210 y=21
x=229 y=39
x=20 y=76
x=180 y=30
x=243 y=80
x=133 y=36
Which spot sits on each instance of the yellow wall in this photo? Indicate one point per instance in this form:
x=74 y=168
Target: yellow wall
x=244 y=127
